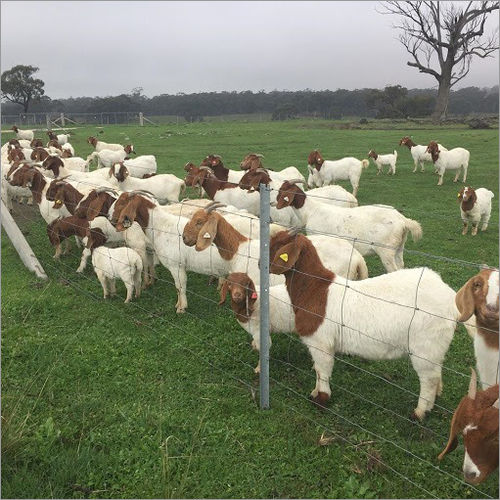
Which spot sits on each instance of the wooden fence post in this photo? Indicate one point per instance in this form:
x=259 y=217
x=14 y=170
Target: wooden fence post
x=20 y=244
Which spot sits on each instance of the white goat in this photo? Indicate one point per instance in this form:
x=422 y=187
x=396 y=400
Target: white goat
x=106 y=158
x=27 y=135
x=76 y=163
x=164 y=187
x=123 y=263
x=410 y=312
x=68 y=147
x=133 y=237
x=323 y=172
x=381 y=160
x=138 y=167
x=101 y=145
x=454 y=159
x=373 y=229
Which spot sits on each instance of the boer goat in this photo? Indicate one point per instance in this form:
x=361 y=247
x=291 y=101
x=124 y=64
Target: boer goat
x=477 y=301
x=372 y=229
x=475 y=207
x=476 y=418
x=375 y=318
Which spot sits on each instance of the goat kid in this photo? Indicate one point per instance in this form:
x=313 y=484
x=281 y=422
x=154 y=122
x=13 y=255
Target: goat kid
x=381 y=160
x=475 y=207
x=323 y=172
x=112 y=263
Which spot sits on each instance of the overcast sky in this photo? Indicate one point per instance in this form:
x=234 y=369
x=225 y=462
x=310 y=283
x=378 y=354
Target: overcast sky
x=107 y=48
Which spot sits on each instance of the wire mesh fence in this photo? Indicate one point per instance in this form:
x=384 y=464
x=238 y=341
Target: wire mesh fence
x=404 y=386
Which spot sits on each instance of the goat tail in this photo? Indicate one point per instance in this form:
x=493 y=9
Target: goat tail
x=362 y=270
x=414 y=227
x=365 y=163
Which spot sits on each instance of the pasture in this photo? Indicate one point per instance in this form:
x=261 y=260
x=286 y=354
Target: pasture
x=113 y=400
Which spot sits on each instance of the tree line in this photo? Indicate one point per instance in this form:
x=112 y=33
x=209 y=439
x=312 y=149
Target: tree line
x=392 y=102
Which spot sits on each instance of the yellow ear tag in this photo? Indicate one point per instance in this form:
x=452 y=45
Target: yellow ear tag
x=458 y=195
x=284 y=257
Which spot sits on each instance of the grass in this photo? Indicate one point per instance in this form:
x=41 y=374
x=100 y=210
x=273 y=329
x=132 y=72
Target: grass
x=104 y=399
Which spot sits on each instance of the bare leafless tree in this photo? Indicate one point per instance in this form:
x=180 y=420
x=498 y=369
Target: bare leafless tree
x=443 y=38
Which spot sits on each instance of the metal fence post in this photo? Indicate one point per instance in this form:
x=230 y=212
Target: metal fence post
x=63 y=121
x=141 y=119
x=264 y=295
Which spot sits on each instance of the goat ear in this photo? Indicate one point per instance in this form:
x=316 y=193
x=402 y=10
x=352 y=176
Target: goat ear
x=223 y=291
x=207 y=233
x=95 y=207
x=285 y=258
x=465 y=301
x=455 y=428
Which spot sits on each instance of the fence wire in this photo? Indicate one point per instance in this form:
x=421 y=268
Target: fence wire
x=213 y=346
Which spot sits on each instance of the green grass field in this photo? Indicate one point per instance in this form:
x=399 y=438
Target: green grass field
x=113 y=400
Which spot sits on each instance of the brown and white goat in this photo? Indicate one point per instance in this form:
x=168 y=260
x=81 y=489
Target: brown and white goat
x=454 y=159
x=475 y=207
x=214 y=162
x=476 y=418
x=373 y=318
x=60 y=230
x=246 y=307
x=477 y=302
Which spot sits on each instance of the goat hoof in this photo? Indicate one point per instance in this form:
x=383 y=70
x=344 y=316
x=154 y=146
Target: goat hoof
x=320 y=400
x=415 y=416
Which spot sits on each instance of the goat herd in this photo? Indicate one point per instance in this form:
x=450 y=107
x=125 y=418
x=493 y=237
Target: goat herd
x=129 y=219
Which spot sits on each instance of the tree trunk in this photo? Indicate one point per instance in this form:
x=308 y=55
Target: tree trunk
x=441 y=108
x=26 y=105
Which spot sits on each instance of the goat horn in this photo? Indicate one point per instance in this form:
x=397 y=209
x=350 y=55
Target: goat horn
x=140 y=191
x=206 y=168
x=472 y=385
x=260 y=169
x=213 y=207
x=217 y=156
x=186 y=165
x=258 y=155
x=294 y=231
x=102 y=189
x=296 y=181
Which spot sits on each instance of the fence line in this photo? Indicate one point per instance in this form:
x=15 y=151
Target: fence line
x=289 y=389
